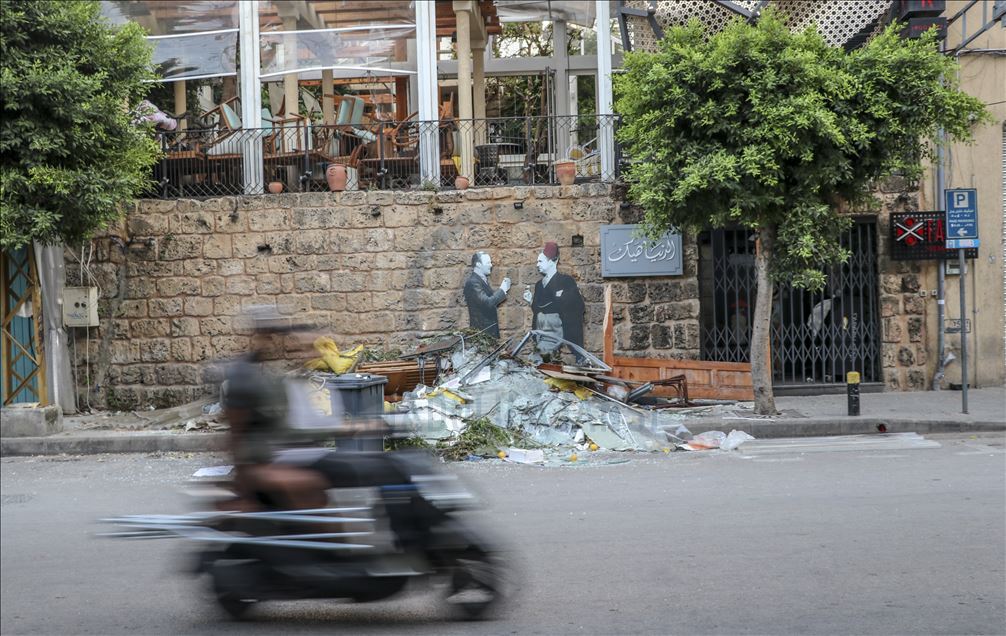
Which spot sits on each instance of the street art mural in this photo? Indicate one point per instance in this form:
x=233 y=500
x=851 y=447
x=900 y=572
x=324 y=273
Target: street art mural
x=482 y=300
x=556 y=303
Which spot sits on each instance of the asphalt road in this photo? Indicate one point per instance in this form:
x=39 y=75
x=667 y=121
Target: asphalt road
x=808 y=536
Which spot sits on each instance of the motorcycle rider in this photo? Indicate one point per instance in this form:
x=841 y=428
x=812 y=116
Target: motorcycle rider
x=255 y=406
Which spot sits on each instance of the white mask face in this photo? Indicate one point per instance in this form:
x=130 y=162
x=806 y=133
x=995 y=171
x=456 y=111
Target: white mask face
x=485 y=265
x=546 y=267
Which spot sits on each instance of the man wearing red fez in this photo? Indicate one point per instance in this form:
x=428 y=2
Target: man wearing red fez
x=556 y=304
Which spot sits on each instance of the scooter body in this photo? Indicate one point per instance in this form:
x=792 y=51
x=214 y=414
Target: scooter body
x=397 y=532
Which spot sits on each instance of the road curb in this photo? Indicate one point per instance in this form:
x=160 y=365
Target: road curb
x=823 y=427
x=214 y=442
x=113 y=443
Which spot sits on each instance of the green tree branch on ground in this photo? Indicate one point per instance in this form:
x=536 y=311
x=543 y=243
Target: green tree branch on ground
x=774 y=131
x=70 y=154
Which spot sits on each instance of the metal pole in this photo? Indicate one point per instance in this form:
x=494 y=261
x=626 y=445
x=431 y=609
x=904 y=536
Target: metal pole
x=964 y=337
x=941 y=302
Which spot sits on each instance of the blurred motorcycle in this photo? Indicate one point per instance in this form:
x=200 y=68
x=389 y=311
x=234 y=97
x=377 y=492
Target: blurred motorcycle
x=408 y=528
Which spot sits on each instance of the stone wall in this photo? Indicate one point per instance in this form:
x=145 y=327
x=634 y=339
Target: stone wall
x=380 y=268
x=905 y=346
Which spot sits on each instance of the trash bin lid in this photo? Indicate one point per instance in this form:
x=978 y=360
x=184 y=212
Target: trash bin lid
x=355 y=381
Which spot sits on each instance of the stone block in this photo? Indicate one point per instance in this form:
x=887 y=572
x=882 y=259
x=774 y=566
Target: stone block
x=197 y=267
x=230 y=267
x=328 y=302
x=639 y=314
x=227 y=305
x=192 y=223
x=906 y=357
x=350 y=281
x=155 y=350
x=269 y=220
x=161 y=307
x=184 y=327
x=218 y=246
x=660 y=337
x=358 y=302
x=147 y=224
x=149 y=328
x=916 y=380
x=241 y=285
x=890 y=305
x=141 y=288
x=25 y=421
x=132 y=309
x=202 y=349
x=215 y=326
x=230 y=221
x=308 y=282
x=891 y=329
x=181 y=350
x=311 y=243
x=313 y=218
x=395 y=216
x=198 y=306
x=173 y=374
x=910 y=284
x=915 y=305
x=916 y=329
x=178 y=286
x=292 y=263
x=417 y=197
x=177 y=248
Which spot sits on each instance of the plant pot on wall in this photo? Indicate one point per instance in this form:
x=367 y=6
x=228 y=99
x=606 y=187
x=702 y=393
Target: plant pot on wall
x=461 y=183
x=565 y=172
x=275 y=187
x=337 y=177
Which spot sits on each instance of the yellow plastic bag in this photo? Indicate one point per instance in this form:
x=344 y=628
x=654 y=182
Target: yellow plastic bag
x=332 y=359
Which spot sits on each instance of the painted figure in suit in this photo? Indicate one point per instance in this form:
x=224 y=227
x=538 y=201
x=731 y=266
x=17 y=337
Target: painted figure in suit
x=480 y=297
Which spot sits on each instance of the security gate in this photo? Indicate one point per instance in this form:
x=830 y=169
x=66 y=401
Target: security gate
x=816 y=336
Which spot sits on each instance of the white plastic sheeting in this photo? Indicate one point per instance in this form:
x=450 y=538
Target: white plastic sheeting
x=192 y=38
x=51 y=276
x=349 y=51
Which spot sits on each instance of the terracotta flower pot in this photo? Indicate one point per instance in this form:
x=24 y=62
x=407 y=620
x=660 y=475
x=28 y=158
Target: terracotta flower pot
x=565 y=172
x=461 y=183
x=275 y=187
x=336 y=176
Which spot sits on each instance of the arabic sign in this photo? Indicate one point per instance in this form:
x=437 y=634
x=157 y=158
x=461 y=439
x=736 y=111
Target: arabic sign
x=921 y=236
x=626 y=252
x=953 y=325
x=962 y=218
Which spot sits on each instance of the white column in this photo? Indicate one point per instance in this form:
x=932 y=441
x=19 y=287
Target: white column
x=573 y=106
x=180 y=104
x=327 y=97
x=564 y=123
x=467 y=150
x=426 y=58
x=606 y=129
x=291 y=94
x=251 y=97
x=479 y=93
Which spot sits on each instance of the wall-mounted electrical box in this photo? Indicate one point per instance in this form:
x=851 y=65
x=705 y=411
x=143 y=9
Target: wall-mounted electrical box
x=80 y=306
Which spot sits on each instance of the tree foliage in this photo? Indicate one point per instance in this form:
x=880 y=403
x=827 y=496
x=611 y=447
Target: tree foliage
x=70 y=154
x=761 y=127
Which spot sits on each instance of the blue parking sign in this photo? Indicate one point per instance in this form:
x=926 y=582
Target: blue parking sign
x=962 y=218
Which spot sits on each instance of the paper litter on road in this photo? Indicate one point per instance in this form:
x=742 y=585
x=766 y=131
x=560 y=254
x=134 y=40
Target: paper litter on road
x=213 y=471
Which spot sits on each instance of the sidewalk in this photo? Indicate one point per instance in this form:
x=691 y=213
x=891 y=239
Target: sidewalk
x=824 y=415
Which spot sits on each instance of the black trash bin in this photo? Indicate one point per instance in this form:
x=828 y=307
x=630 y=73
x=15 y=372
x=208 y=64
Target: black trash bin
x=361 y=396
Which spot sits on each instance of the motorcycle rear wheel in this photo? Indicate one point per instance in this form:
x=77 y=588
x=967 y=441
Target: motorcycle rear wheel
x=476 y=585
x=229 y=596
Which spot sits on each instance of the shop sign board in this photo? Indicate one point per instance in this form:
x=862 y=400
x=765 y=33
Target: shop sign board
x=921 y=236
x=625 y=251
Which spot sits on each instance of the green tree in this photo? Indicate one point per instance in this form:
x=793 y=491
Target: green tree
x=70 y=154
x=774 y=131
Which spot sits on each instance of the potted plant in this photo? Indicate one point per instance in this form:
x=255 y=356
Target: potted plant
x=565 y=172
x=275 y=187
x=460 y=182
x=337 y=176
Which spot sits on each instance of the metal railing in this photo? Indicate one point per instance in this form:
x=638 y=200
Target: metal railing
x=294 y=157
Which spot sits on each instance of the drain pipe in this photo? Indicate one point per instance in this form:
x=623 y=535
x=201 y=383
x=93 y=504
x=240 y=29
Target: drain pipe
x=941 y=302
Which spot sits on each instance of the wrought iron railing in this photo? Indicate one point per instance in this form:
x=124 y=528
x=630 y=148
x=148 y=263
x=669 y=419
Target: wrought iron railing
x=295 y=155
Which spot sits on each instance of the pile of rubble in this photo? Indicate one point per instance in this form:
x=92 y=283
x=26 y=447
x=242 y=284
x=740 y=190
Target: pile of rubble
x=547 y=406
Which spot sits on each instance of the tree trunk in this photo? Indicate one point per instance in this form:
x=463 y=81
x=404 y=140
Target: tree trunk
x=761 y=330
